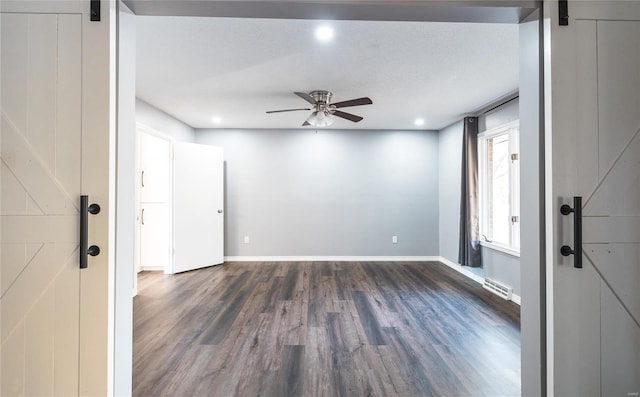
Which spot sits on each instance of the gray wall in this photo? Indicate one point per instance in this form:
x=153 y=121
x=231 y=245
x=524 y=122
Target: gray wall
x=162 y=122
x=330 y=192
x=502 y=267
x=496 y=265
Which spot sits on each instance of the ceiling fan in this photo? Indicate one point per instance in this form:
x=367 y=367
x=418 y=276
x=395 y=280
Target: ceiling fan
x=324 y=110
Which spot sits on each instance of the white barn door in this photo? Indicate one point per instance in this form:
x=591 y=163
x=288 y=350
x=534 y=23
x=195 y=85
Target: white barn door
x=594 y=135
x=54 y=147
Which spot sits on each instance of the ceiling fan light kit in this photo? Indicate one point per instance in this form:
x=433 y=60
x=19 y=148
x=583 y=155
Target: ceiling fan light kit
x=324 y=111
x=321 y=119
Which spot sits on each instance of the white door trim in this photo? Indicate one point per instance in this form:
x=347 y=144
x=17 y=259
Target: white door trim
x=358 y=11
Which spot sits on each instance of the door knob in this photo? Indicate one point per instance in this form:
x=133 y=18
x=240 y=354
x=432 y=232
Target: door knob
x=219 y=211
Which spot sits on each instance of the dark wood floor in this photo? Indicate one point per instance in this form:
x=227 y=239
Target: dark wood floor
x=323 y=329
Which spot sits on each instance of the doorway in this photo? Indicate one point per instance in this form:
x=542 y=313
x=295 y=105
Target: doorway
x=180 y=205
x=531 y=98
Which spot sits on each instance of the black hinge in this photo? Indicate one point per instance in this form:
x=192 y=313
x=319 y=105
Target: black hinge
x=563 y=12
x=95 y=10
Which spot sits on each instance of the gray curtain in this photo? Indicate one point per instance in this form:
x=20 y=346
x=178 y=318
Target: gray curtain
x=469 y=249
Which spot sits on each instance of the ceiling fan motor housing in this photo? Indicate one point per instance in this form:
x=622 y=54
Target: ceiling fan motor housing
x=322 y=98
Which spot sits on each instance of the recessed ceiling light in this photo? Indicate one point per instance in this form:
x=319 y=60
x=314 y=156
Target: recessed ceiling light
x=324 y=33
x=419 y=122
x=216 y=120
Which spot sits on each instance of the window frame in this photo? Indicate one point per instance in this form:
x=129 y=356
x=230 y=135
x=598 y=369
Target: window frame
x=513 y=129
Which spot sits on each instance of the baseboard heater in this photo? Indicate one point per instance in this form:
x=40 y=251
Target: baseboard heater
x=499 y=289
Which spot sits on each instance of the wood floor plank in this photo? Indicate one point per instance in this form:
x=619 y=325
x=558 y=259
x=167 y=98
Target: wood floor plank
x=319 y=378
x=270 y=299
x=420 y=380
x=341 y=360
x=323 y=329
x=291 y=375
x=214 y=334
x=368 y=319
x=290 y=284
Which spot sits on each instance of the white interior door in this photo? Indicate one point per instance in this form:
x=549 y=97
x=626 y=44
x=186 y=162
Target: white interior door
x=594 y=77
x=198 y=206
x=54 y=146
x=155 y=204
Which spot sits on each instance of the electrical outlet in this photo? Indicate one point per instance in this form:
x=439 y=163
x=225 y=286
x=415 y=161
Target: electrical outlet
x=246 y=239
x=394 y=239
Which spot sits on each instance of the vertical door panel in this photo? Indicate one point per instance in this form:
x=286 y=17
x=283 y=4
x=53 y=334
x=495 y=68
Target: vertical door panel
x=15 y=57
x=618 y=85
x=39 y=346
x=13 y=358
x=586 y=96
x=620 y=347
x=69 y=100
x=41 y=117
x=42 y=86
x=576 y=293
x=98 y=182
x=614 y=205
x=576 y=352
x=198 y=205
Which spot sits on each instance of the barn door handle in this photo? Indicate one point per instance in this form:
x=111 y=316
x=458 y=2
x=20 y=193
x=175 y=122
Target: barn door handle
x=565 y=250
x=85 y=210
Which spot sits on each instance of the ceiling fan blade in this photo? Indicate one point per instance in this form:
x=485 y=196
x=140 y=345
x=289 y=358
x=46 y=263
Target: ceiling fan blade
x=347 y=116
x=353 y=102
x=286 y=110
x=306 y=97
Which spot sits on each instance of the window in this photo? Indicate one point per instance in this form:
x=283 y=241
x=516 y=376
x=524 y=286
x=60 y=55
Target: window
x=500 y=188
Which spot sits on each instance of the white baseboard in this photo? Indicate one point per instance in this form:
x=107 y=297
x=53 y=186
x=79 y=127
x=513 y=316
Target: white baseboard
x=516 y=299
x=463 y=270
x=152 y=269
x=331 y=258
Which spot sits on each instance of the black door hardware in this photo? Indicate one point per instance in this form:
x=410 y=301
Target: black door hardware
x=565 y=250
x=563 y=12
x=94 y=10
x=85 y=210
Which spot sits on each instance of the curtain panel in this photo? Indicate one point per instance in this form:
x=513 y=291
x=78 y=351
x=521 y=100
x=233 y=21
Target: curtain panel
x=469 y=249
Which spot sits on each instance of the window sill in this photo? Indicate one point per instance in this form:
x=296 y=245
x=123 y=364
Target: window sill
x=501 y=248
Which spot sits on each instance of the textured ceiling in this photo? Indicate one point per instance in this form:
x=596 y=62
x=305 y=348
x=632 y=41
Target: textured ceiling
x=198 y=69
